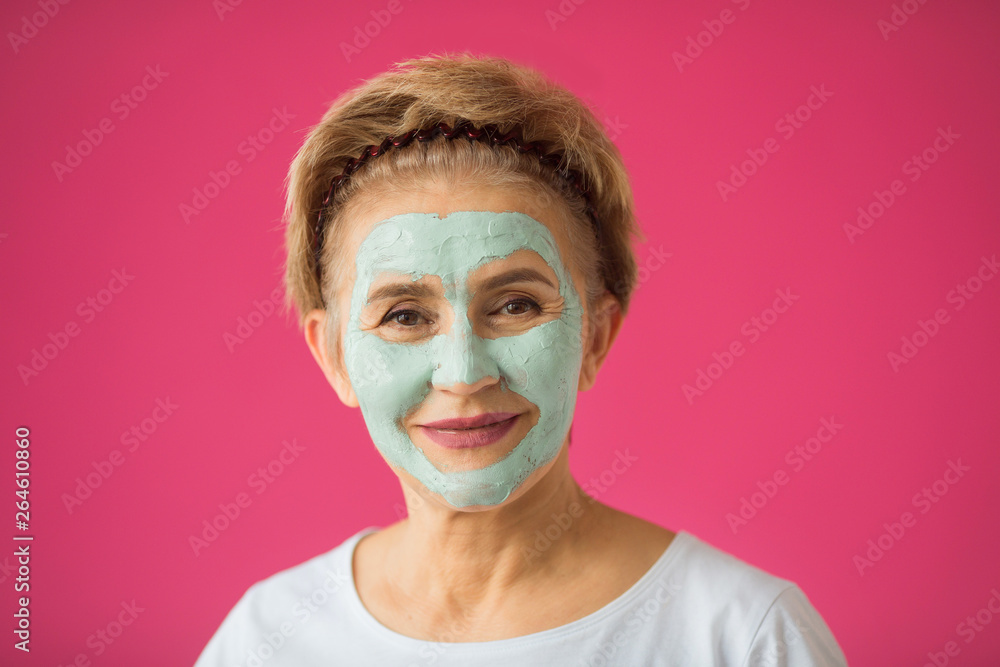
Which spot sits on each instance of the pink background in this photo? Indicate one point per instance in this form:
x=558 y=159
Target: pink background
x=680 y=130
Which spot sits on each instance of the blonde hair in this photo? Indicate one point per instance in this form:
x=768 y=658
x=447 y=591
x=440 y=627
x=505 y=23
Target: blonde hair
x=450 y=88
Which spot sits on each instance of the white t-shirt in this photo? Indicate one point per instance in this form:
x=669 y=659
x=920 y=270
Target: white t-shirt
x=697 y=605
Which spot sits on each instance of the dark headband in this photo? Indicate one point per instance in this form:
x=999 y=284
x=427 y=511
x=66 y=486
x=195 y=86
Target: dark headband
x=490 y=134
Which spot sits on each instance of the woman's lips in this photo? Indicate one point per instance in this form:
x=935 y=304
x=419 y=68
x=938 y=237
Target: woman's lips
x=460 y=423
x=491 y=428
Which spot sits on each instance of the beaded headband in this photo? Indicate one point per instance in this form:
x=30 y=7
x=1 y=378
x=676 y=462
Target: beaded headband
x=489 y=134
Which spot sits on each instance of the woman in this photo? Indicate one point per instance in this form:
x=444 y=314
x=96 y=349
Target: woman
x=459 y=252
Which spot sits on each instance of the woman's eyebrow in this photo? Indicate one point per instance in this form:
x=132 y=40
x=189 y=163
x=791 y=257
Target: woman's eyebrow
x=391 y=291
x=522 y=275
x=420 y=290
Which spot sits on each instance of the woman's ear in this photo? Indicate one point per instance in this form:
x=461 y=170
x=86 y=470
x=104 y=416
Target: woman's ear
x=333 y=367
x=604 y=324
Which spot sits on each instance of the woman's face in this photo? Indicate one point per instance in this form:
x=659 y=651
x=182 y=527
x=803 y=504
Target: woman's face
x=463 y=306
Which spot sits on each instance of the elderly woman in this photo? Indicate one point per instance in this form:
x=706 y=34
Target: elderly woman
x=458 y=237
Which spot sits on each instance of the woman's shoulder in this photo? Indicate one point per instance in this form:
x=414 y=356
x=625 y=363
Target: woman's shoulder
x=330 y=570
x=711 y=606
x=292 y=591
x=706 y=565
x=682 y=557
x=285 y=602
x=765 y=617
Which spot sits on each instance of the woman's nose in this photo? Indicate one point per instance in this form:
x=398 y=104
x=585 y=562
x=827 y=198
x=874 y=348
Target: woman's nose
x=464 y=362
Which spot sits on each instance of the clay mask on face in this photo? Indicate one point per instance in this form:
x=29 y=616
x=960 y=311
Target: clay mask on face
x=390 y=379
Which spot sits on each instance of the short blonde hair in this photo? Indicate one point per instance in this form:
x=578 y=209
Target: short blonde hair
x=452 y=88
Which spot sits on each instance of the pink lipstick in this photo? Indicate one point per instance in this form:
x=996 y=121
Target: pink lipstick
x=478 y=431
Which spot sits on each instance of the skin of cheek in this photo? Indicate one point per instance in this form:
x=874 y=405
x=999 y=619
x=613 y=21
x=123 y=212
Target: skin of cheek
x=541 y=364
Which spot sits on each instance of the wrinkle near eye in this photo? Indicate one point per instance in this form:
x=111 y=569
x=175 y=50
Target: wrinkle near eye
x=371 y=318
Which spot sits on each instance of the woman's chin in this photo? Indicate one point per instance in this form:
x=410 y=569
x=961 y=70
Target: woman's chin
x=451 y=450
x=476 y=497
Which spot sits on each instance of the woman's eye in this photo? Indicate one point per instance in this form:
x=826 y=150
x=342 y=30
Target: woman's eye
x=519 y=307
x=405 y=318
x=409 y=319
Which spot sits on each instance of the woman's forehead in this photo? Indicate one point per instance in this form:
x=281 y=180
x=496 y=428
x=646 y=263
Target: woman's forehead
x=367 y=212
x=462 y=244
x=522 y=267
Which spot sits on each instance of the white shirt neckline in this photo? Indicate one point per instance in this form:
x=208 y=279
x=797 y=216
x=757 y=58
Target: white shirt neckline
x=656 y=572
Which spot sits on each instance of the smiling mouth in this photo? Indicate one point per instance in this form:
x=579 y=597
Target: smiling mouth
x=470 y=423
x=471 y=428
x=475 y=436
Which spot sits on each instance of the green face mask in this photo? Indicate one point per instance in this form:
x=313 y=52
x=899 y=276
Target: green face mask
x=541 y=364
